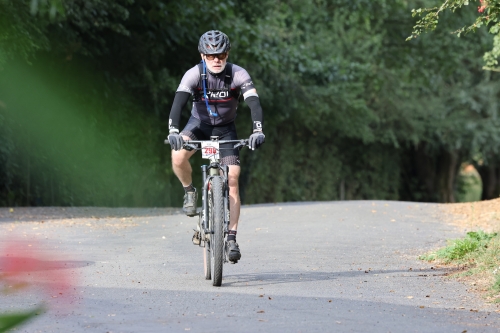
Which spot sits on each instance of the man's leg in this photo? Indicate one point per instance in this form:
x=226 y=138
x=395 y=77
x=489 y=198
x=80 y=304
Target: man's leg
x=183 y=171
x=234 y=211
x=181 y=166
x=234 y=196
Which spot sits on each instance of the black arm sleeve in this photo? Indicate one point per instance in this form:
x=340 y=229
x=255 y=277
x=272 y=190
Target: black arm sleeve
x=180 y=100
x=257 y=115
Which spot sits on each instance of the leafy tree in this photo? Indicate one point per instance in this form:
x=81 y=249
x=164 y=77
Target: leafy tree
x=352 y=111
x=482 y=128
x=488 y=16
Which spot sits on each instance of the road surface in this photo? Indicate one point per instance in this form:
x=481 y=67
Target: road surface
x=346 y=266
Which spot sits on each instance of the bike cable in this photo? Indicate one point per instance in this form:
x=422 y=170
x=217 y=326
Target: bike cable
x=204 y=82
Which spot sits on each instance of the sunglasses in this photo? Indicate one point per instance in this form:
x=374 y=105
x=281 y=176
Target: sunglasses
x=220 y=56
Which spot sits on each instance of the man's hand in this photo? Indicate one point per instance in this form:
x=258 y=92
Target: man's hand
x=256 y=140
x=175 y=139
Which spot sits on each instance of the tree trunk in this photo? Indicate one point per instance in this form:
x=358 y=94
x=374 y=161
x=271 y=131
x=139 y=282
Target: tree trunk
x=426 y=172
x=490 y=176
x=437 y=173
x=447 y=169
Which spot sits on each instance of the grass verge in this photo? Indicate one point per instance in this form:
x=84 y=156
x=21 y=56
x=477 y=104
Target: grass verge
x=479 y=269
x=477 y=256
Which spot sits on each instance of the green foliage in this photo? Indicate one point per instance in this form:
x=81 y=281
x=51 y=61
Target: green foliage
x=20 y=36
x=477 y=253
x=489 y=15
x=50 y=8
x=95 y=149
x=496 y=284
x=458 y=249
x=352 y=111
x=9 y=321
x=469 y=186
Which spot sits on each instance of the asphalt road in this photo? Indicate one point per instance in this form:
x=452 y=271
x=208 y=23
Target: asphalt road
x=306 y=267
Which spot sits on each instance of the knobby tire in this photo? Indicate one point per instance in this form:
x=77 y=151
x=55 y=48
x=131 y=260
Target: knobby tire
x=216 y=213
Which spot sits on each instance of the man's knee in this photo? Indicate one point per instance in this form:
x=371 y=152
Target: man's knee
x=233 y=176
x=179 y=158
x=233 y=184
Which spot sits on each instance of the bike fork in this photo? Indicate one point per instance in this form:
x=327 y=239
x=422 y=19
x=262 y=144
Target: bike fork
x=226 y=200
x=227 y=214
x=204 y=201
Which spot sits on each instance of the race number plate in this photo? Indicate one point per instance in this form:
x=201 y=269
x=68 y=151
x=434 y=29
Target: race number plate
x=210 y=150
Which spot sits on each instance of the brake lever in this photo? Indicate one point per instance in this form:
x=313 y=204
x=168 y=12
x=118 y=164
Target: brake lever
x=240 y=144
x=190 y=147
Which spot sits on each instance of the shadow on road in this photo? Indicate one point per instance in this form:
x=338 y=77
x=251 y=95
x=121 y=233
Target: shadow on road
x=39 y=214
x=270 y=278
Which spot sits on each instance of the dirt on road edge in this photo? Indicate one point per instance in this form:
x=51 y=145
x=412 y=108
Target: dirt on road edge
x=473 y=216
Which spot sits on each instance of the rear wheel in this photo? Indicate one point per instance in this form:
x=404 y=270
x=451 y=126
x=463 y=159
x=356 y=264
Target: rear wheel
x=216 y=215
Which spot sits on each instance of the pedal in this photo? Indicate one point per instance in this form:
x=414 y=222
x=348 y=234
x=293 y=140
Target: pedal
x=234 y=262
x=193 y=214
x=196 y=238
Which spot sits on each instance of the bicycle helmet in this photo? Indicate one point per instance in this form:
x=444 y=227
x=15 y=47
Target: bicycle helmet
x=214 y=42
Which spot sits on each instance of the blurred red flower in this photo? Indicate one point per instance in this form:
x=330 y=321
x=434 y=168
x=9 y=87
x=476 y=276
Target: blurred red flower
x=28 y=264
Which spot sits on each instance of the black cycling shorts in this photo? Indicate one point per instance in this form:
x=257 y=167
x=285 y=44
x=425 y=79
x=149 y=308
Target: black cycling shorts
x=197 y=130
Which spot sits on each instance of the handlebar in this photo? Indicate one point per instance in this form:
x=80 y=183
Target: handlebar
x=195 y=144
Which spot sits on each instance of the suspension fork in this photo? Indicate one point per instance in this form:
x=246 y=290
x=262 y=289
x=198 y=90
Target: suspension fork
x=225 y=171
x=204 y=201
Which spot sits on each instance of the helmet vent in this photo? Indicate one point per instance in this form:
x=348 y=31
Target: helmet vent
x=213 y=42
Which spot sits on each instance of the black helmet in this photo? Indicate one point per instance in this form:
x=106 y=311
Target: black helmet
x=214 y=42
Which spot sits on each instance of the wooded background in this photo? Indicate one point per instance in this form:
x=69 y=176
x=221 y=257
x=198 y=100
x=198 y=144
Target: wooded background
x=351 y=109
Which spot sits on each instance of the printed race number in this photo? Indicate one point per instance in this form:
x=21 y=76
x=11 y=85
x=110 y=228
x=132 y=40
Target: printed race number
x=210 y=150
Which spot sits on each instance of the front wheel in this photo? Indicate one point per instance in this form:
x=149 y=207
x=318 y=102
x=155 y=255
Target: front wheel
x=216 y=215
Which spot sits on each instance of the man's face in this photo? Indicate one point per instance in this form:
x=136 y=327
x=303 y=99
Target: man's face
x=215 y=62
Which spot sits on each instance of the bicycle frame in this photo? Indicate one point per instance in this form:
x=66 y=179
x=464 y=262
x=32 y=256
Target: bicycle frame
x=213 y=229
x=210 y=171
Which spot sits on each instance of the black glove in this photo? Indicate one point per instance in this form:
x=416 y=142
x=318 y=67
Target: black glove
x=256 y=140
x=175 y=139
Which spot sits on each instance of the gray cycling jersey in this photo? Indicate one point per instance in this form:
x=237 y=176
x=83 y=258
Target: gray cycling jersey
x=223 y=90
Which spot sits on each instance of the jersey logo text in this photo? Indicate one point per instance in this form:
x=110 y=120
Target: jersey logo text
x=218 y=94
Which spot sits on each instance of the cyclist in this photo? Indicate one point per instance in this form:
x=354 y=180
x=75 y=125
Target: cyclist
x=215 y=85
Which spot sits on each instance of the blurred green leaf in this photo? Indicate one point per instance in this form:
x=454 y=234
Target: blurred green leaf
x=9 y=321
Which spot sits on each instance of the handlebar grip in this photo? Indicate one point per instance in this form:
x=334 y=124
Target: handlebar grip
x=189 y=147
